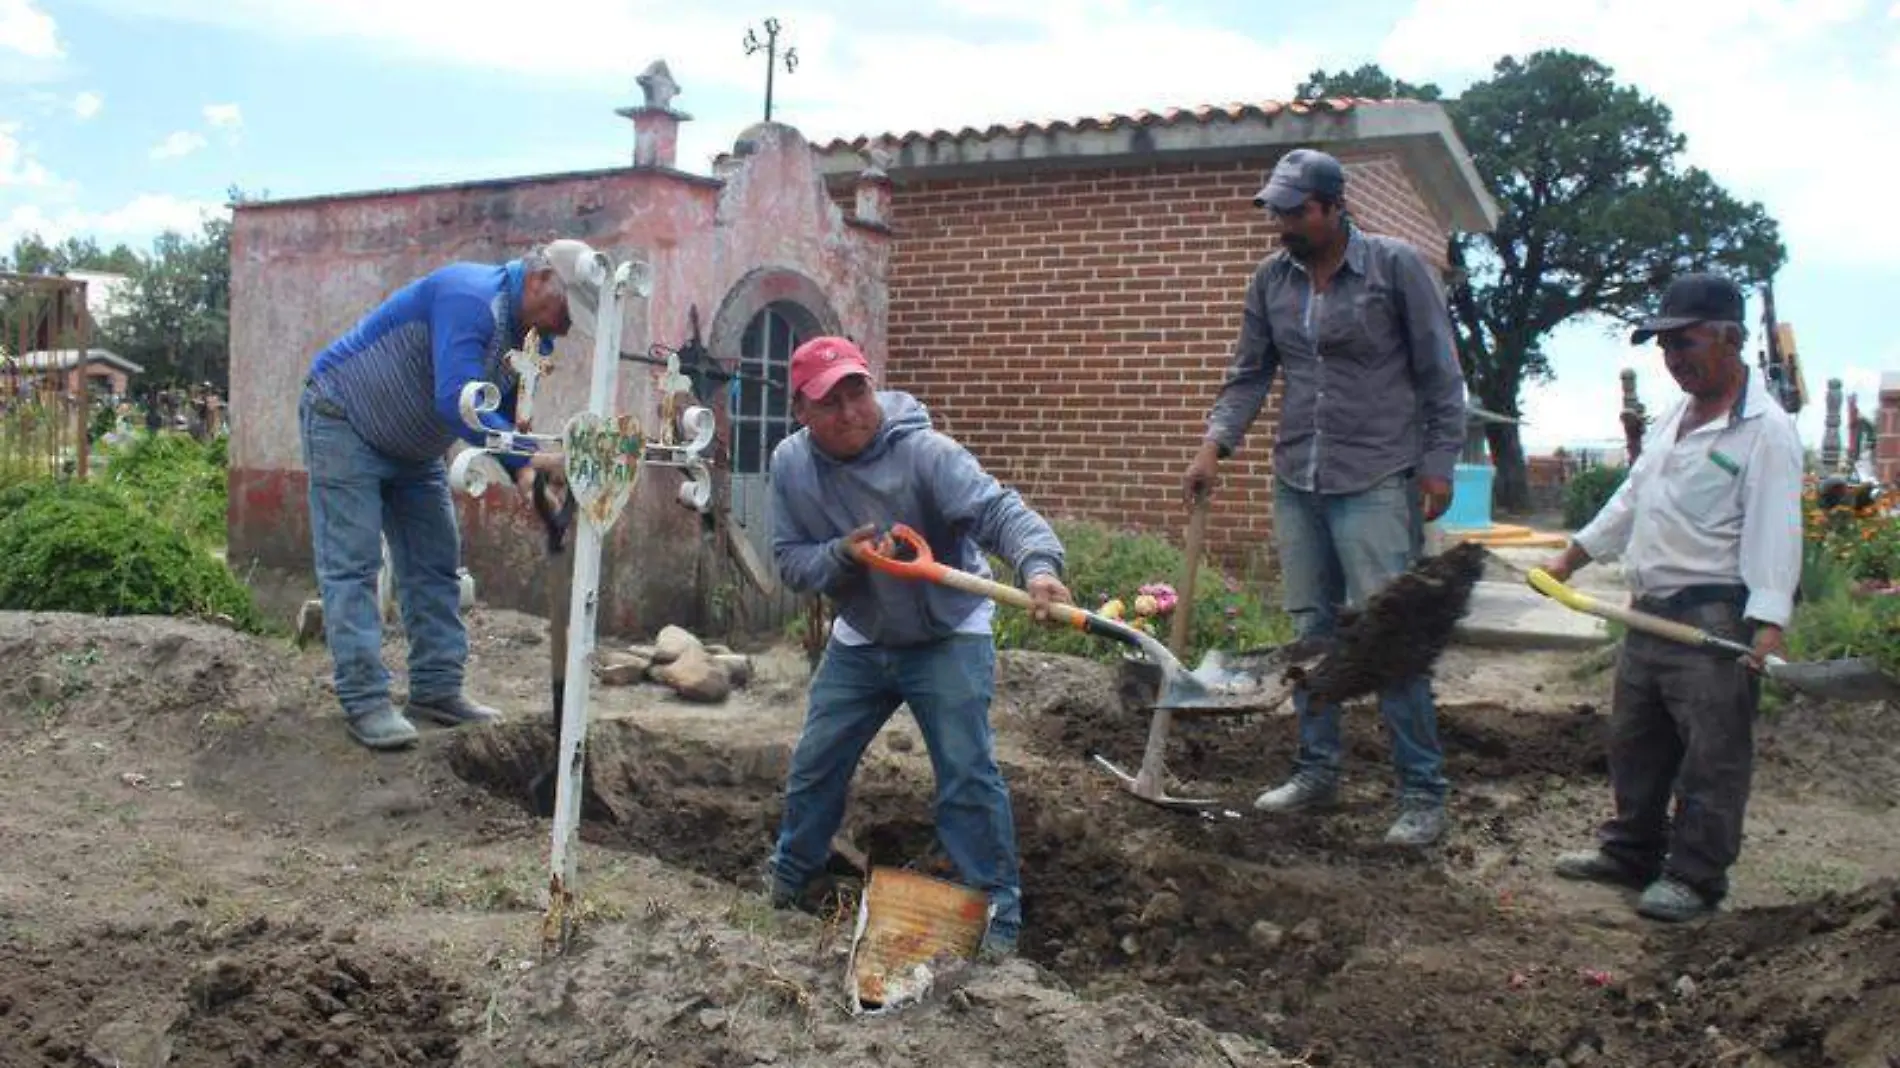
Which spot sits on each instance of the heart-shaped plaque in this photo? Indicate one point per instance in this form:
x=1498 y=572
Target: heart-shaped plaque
x=603 y=464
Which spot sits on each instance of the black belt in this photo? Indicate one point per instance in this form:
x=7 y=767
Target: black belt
x=1692 y=597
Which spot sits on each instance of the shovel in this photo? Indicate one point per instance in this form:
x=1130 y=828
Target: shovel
x=1858 y=679
x=1212 y=688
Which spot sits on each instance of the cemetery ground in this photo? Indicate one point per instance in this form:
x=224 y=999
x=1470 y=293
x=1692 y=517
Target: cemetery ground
x=198 y=868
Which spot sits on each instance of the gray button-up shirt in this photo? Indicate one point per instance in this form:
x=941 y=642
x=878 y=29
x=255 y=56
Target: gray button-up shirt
x=1373 y=385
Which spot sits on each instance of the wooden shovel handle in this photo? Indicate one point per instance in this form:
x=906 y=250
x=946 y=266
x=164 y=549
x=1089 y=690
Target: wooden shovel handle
x=1547 y=584
x=923 y=566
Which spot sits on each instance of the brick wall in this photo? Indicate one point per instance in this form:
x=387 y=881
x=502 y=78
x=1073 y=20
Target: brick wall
x=1887 y=437
x=1071 y=328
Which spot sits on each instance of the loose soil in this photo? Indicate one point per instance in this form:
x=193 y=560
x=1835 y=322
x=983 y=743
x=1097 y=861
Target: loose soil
x=200 y=869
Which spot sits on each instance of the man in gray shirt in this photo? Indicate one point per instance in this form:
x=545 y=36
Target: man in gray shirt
x=1373 y=422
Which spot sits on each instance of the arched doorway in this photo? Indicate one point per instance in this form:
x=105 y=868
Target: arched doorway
x=762 y=410
x=766 y=315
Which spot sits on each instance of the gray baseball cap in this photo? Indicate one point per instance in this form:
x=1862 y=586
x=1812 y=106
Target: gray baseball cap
x=1301 y=173
x=1692 y=299
x=569 y=260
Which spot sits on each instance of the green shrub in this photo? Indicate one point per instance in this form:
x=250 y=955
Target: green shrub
x=1587 y=492
x=174 y=477
x=1104 y=564
x=81 y=547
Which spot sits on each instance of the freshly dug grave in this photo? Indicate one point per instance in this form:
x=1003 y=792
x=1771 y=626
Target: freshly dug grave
x=1299 y=935
x=257 y=995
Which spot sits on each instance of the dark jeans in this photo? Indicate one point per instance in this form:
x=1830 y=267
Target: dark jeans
x=1682 y=724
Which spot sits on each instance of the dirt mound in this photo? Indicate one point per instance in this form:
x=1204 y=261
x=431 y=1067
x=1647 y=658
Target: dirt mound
x=676 y=986
x=138 y=676
x=260 y=994
x=1840 y=749
x=1804 y=985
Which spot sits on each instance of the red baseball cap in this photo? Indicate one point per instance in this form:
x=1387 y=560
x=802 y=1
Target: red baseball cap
x=823 y=362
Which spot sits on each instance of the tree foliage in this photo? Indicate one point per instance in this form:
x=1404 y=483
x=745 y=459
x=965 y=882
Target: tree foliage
x=1597 y=214
x=173 y=316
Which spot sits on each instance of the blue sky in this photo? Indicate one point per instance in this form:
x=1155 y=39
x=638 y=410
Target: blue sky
x=119 y=118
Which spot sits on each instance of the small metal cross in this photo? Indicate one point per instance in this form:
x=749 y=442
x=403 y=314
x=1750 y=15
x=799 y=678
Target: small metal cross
x=770 y=48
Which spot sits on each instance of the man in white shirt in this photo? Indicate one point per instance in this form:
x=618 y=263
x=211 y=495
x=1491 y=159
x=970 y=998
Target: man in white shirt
x=1708 y=525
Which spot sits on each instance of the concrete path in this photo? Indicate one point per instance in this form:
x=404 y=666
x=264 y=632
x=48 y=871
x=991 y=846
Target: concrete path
x=1507 y=614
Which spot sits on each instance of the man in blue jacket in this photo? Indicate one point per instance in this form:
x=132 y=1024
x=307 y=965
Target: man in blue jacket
x=865 y=460
x=379 y=411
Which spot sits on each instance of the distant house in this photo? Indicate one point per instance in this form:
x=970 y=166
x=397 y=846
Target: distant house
x=99 y=371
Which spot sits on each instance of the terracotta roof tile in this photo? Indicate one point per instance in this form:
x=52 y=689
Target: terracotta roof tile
x=1205 y=113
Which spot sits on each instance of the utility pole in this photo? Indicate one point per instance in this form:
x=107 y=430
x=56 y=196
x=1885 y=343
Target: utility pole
x=770 y=48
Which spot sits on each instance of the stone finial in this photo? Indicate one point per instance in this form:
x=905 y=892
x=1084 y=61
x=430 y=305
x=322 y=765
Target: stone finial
x=656 y=123
x=658 y=85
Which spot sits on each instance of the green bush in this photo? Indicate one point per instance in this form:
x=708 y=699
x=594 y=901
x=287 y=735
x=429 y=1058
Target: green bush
x=82 y=547
x=1104 y=564
x=174 y=477
x=1587 y=492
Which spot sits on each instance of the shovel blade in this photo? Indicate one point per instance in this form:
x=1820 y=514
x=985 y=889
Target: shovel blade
x=1231 y=684
x=1858 y=679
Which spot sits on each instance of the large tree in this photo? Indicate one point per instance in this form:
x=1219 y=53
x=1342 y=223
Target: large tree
x=1597 y=214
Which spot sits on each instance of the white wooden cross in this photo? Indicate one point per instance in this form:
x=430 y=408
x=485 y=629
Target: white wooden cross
x=602 y=452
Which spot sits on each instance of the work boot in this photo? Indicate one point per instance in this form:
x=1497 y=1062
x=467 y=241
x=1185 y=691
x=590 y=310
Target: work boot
x=1596 y=866
x=381 y=728
x=1302 y=791
x=1672 y=901
x=997 y=946
x=1418 y=825
x=454 y=710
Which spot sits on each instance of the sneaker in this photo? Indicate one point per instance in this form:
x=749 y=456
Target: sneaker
x=1672 y=901
x=1596 y=866
x=1299 y=792
x=455 y=710
x=381 y=728
x=997 y=946
x=1417 y=826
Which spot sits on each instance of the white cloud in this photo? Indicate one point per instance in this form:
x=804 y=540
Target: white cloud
x=18 y=168
x=135 y=222
x=177 y=144
x=970 y=62
x=1746 y=126
x=27 y=30
x=86 y=105
x=223 y=116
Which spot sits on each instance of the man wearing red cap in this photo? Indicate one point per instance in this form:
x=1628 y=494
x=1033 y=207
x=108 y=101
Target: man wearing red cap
x=866 y=460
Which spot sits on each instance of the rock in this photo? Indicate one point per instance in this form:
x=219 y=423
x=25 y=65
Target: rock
x=1130 y=945
x=41 y=687
x=1266 y=935
x=712 y=1019
x=139 y=1039
x=1309 y=930
x=621 y=669
x=672 y=643
x=309 y=623
x=695 y=677
x=1163 y=909
x=1685 y=988
x=738 y=668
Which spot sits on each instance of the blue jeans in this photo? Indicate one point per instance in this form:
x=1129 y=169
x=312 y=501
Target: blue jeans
x=357 y=496
x=1341 y=549
x=948 y=686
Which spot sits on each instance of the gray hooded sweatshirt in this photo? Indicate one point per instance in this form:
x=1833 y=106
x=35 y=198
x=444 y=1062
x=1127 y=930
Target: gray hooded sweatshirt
x=909 y=474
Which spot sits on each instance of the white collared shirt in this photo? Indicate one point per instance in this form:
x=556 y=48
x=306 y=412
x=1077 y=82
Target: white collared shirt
x=1720 y=506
